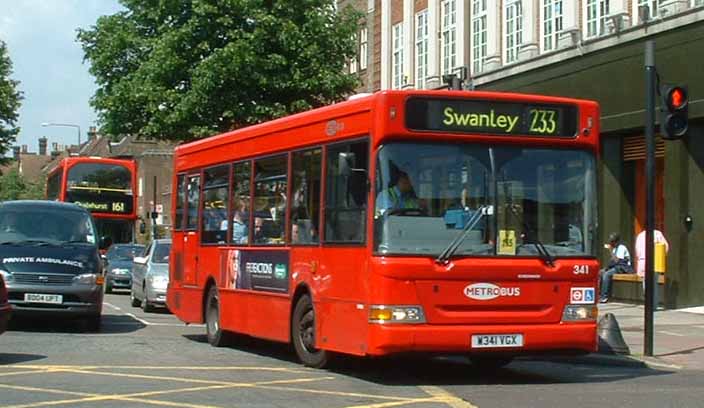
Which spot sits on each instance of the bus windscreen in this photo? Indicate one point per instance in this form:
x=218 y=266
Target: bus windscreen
x=98 y=187
x=491 y=117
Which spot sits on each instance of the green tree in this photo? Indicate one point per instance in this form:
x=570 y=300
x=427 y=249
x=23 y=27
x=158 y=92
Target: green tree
x=187 y=69
x=10 y=99
x=14 y=187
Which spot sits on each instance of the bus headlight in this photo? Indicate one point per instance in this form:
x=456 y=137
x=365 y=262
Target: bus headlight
x=396 y=314
x=580 y=313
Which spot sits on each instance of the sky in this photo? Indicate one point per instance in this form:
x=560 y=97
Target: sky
x=48 y=61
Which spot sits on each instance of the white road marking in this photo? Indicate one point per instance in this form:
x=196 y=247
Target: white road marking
x=144 y=322
x=671 y=333
x=112 y=306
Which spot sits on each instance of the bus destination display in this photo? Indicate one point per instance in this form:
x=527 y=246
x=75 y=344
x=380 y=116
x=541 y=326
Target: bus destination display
x=491 y=117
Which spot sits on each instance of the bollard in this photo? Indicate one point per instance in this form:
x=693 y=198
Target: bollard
x=660 y=257
x=610 y=339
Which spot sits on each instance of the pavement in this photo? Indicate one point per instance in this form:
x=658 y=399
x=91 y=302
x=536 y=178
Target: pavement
x=678 y=340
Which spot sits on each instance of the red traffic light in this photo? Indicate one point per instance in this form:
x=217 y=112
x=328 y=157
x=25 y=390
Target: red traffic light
x=676 y=98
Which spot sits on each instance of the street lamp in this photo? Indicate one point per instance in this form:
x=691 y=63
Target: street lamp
x=66 y=125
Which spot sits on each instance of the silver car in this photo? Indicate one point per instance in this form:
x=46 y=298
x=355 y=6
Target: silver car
x=150 y=276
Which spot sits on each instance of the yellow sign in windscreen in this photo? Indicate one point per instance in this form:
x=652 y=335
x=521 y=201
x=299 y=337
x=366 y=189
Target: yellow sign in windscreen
x=507 y=242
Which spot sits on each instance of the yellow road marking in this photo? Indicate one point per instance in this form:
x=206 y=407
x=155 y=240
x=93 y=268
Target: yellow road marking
x=446 y=397
x=24 y=372
x=163 y=368
x=397 y=403
x=46 y=390
x=335 y=393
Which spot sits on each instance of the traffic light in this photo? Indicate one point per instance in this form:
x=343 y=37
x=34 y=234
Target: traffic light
x=675 y=103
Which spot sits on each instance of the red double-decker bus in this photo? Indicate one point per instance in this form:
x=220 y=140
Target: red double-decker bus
x=404 y=221
x=105 y=187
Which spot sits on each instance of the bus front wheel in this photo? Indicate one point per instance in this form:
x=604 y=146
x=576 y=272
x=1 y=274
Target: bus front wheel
x=216 y=336
x=303 y=334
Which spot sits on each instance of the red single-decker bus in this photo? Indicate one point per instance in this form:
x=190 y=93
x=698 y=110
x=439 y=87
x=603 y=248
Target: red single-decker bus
x=404 y=221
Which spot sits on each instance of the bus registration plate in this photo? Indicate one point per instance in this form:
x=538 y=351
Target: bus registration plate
x=497 y=340
x=42 y=298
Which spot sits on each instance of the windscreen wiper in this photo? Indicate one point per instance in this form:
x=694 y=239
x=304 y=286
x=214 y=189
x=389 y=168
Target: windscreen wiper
x=445 y=256
x=544 y=254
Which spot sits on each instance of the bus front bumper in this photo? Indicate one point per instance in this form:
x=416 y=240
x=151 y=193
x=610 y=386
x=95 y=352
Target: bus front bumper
x=573 y=338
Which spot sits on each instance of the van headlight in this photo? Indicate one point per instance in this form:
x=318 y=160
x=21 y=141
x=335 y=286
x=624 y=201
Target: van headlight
x=7 y=276
x=396 y=314
x=121 y=271
x=88 y=279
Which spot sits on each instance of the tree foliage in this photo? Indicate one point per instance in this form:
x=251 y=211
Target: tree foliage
x=186 y=69
x=14 y=187
x=10 y=99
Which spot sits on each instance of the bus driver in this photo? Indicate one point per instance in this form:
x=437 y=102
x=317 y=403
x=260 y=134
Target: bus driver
x=399 y=196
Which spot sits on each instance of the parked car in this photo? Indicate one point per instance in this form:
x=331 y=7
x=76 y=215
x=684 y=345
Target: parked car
x=5 y=308
x=49 y=260
x=150 y=276
x=118 y=265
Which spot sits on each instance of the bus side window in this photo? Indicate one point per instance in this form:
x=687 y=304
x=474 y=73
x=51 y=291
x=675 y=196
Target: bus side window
x=180 y=198
x=240 y=227
x=305 y=197
x=215 y=199
x=270 y=181
x=346 y=195
x=193 y=195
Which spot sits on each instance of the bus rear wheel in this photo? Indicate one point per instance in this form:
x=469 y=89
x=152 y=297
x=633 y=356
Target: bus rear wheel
x=216 y=336
x=303 y=334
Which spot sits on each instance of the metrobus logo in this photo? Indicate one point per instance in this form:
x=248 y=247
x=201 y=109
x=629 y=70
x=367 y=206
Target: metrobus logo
x=488 y=291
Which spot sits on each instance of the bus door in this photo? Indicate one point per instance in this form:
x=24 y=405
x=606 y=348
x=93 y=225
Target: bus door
x=191 y=241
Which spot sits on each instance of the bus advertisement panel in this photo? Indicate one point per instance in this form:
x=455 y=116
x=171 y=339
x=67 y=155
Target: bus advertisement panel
x=404 y=221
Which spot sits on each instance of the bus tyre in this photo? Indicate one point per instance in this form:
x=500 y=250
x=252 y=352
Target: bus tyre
x=303 y=334
x=216 y=336
x=488 y=363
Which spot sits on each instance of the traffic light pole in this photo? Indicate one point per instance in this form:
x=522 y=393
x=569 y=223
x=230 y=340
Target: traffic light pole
x=650 y=84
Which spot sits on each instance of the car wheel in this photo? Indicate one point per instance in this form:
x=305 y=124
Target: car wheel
x=146 y=306
x=303 y=335
x=93 y=323
x=134 y=301
x=216 y=336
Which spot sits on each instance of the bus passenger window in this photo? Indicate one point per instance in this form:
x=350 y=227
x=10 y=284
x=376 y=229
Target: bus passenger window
x=305 y=197
x=270 y=183
x=215 y=199
x=180 y=198
x=346 y=197
x=241 y=174
x=193 y=196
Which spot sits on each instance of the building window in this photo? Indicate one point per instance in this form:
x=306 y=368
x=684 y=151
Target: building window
x=479 y=33
x=652 y=6
x=697 y=3
x=597 y=12
x=449 y=35
x=552 y=23
x=514 y=30
x=397 y=62
x=363 y=49
x=421 y=48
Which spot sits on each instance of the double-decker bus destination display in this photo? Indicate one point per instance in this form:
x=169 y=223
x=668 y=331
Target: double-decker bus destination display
x=491 y=117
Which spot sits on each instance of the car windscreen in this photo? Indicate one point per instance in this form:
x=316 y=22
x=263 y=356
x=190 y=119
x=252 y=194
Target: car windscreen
x=161 y=253
x=124 y=252
x=44 y=224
